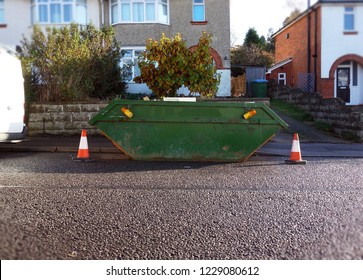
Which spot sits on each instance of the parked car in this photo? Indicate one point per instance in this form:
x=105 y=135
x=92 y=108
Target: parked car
x=12 y=98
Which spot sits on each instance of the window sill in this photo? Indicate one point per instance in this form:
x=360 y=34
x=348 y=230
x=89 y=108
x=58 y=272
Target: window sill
x=3 y=25
x=199 y=22
x=350 y=32
x=138 y=23
x=56 y=24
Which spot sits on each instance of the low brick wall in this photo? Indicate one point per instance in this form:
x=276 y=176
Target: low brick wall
x=343 y=119
x=62 y=119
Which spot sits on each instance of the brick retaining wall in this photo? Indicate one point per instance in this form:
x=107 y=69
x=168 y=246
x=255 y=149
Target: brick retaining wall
x=70 y=119
x=62 y=119
x=343 y=119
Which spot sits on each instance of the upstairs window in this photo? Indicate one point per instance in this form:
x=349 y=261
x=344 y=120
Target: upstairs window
x=349 y=19
x=198 y=10
x=2 y=12
x=59 y=11
x=139 y=11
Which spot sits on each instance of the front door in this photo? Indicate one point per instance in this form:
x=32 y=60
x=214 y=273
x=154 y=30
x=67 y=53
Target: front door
x=343 y=84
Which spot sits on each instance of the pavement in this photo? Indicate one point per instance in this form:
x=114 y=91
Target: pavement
x=313 y=143
x=61 y=144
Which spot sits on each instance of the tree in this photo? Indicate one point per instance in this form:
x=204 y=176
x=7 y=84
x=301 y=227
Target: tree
x=202 y=76
x=294 y=14
x=167 y=64
x=163 y=65
x=252 y=55
x=72 y=63
x=270 y=42
x=254 y=51
x=252 y=38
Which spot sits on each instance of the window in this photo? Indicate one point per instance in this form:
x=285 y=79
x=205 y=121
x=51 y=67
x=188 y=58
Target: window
x=2 y=12
x=127 y=11
x=355 y=73
x=282 y=79
x=198 y=10
x=163 y=11
x=59 y=11
x=129 y=65
x=349 y=19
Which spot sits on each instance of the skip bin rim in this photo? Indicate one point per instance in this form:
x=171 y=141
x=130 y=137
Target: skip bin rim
x=267 y=109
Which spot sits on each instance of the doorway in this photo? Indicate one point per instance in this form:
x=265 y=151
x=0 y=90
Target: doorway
x=343 y=83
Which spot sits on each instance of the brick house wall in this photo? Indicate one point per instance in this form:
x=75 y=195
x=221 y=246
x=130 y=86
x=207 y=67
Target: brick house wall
x=292 y=41
x=287 y=69
x=334 y=55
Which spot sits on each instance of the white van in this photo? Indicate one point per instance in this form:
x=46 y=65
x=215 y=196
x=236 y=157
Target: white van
x=12 y=99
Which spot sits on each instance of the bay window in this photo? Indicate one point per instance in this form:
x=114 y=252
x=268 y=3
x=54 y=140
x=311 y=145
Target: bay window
x=58 y=11
x=150 y=11
x=139 y=11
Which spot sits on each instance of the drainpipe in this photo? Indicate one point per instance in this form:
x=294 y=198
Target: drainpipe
x=102 y=13
x=309 y=43
x=315 y=48
x=309 y=32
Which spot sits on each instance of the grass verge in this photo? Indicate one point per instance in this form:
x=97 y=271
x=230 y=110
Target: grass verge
x=291 y=111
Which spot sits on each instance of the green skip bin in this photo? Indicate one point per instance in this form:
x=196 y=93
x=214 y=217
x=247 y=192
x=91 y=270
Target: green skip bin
x=189 y=131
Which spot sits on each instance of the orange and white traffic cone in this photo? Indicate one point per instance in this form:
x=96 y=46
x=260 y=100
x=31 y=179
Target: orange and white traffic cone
x=295 y=155
x=83 y=154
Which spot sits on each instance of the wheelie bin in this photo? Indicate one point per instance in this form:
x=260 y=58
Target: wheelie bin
x=259 y=88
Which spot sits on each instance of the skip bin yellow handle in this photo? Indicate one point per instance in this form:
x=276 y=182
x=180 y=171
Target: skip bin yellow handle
x=249 y=114
x=127 y=112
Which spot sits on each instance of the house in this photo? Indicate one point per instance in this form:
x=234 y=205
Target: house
x=321 y=51
x=134 y=22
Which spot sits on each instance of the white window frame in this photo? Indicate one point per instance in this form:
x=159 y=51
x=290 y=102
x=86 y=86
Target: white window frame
x=198 y=4
x=78 y=13
x=131 y=61
x=160 y=8
x=281 y=77
x=350 y=12
x=2 y=11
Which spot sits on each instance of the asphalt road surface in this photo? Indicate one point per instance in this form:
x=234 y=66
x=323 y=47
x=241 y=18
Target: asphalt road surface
x=54 y=208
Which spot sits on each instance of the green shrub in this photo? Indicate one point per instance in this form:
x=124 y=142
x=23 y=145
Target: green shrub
x=72 y=63
x=323 y=126
x=167 y=64
x=350 y=136
x=202 y=75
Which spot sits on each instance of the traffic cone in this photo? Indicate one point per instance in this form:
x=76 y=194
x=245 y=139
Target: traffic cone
x=295 y=155
x=83 y=154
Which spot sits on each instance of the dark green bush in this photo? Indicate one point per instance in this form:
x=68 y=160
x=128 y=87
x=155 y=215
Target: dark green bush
x=350 y=136
x=73 y=63
x=324 y=126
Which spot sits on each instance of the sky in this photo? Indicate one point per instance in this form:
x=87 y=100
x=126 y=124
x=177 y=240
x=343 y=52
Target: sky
x=262 y=15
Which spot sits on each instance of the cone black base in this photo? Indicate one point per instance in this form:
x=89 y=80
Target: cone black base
x=295 y=161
